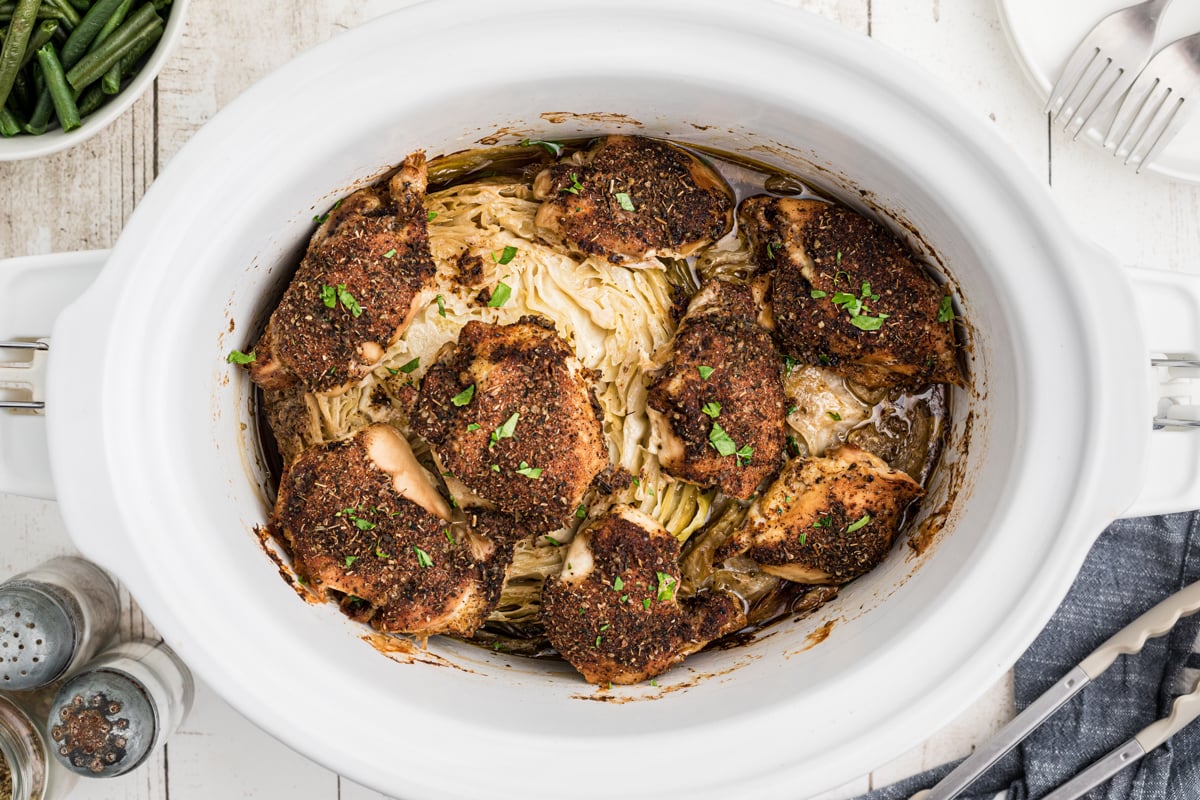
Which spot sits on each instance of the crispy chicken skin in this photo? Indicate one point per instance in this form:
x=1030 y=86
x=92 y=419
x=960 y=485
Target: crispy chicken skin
x=528 y=437
x=817 y=248
x=634 y=198
x=362 y=517
x=367 y=269
x=743 y=395
x=612 y=613
x=825 y=520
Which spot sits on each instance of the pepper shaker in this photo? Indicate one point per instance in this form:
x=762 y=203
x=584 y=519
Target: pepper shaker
x=26 y=770
x=109 y=718
x=53 y=618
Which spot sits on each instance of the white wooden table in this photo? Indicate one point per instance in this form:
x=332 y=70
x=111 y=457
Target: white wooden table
x=80 y=199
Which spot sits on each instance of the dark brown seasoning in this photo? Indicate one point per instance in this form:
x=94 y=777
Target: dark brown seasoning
x=724 y=362
x=817 y=252
x=526 y=379
x=633 y=198
x=356 y=289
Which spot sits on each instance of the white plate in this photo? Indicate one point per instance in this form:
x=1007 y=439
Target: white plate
x=1044 y=34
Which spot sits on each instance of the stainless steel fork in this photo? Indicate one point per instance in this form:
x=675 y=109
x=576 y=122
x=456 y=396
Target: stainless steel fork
x=1158 y=104
x=1105 y=64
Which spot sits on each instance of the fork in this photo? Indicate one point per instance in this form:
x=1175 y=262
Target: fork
x=1105 y=64
x=1158 y=104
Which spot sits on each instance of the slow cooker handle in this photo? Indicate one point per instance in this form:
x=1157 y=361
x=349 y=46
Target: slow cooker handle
x=1168 y=304
x=41 y=287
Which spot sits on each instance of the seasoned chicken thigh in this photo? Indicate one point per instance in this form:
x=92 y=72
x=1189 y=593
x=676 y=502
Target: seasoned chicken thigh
x=717 y=406
x=825 y=520
x=634 y=198
x=510 y=414
x=849 y=296
x=613 y=611
x=367 y=270
x=362 y=517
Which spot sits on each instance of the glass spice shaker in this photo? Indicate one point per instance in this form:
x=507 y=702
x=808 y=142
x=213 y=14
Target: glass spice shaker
x=53 y=618
x=26 y=770
x=109 y=718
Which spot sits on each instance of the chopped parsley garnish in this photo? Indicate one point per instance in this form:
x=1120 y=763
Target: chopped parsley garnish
x=838 y=259
x=744 y=454
x=789 y=364
x=506 y=255
x=423 y=559
x=705 y=372
x=474 y=426
x=625 y=201
x=501 y=295
x=823 y=522
x=390 y=253
x=861 y=316
x=379 y=553
x=533 y=473
x=605 y=626
x=636 y=481
x=618 y=584
x=824 y=359
x=712 y=409
x=653 y=682
x=363 y=524
x=450 y=536
x=835 y=416
x=946 y=310
x=803 y=537
x=791 y=410
x=581 y=512
x=598 y=640
x=646 y=603
x=575 y=186
x=817 y=294
x=858 y=523
x=864 y=323
x=350 y=560
x=553 y=148
x=464 y=397
x=666 y=587
x=552 y=540
x=238 y=357
x=431 y=216
x=332 y=295
x=505 y=431
x=771 y=250
x=411 y=366
x=328 y=295
x=495 y=467
x=720 y=440
x=441 y=304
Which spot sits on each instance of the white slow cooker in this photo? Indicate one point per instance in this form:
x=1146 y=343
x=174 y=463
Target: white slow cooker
x=155 y=459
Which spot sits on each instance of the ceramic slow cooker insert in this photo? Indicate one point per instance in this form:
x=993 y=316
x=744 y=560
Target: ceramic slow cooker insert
x=154 y=454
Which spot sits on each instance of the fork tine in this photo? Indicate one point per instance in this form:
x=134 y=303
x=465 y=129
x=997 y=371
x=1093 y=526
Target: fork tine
x=1141 y=122
x=1086 y=82
x=1142 y=86
x=1180 y=112
x=1096 y=99
x=1079 y=61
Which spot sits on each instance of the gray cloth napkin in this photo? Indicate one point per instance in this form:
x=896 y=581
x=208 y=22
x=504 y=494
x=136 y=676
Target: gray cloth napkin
x=1135 y=564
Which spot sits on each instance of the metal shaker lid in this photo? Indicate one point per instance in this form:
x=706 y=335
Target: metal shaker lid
x=103 y=723
x=37 y=635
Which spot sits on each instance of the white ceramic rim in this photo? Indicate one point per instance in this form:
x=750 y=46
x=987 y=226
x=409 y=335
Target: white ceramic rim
x=24 y=146
x=109 y=484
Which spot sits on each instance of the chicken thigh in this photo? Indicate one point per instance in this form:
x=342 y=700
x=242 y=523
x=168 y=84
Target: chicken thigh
x=362 y=517
x=367 y=270
x=717 y=407
x=633 y=198
x=849 y=296
x=613 y=613
x=825 y=520
x=510 y=414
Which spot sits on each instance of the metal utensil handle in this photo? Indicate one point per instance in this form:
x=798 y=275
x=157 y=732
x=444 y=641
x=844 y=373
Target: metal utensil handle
x=1128 y=753
x=1009 y=736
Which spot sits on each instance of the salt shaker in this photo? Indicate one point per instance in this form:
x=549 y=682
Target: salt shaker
x=53 y=618
x=109 y=718
x=27 y=772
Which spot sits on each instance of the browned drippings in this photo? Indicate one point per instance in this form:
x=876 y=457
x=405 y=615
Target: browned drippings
x=90 y=734
x=819 y=635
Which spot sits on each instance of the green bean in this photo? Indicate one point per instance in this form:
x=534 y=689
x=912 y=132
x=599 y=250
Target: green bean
x=44 y=12
x=112 y=79
x=92 y=66
x=43 y=33
x=60 y=92
x=40 y=117
x=82 y=37
x=69 y=15
x=10 y=123
x=81 y=5
x=91 y=99
x=131 y=61
x=13 y=49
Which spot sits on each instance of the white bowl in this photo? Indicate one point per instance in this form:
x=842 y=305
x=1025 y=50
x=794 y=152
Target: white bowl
x=24 y=146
